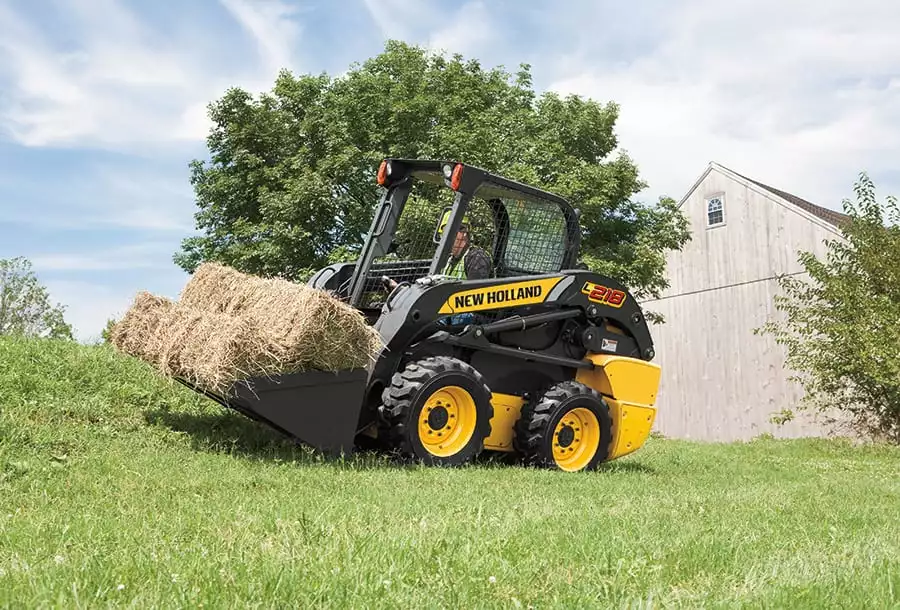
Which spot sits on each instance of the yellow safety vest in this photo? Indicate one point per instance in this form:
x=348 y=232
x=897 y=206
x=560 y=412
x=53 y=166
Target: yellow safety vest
x=457 y=270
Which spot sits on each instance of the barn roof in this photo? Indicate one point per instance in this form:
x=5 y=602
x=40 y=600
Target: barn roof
x=830 y=216
x=833 y=218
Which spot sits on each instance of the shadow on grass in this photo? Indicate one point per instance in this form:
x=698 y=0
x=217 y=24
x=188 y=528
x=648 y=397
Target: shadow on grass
x=627 y=466
x=236 y=434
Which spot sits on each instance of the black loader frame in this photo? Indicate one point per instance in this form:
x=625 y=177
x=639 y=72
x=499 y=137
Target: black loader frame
x=542 y=358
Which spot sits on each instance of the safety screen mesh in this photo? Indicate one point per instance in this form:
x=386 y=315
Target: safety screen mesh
x=517 y=236
x=535 y=238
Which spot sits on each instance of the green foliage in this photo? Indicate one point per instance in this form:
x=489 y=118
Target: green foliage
x=107 y=330
x=840 y=322
x=290 y=183
x=25 y=308
x=780 y=418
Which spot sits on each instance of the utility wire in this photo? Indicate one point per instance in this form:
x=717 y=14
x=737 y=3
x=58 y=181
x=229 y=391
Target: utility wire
x=684 y=294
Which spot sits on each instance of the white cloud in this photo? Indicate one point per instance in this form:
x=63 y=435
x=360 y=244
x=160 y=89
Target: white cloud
x=271 y=24
x=399 y=19
x=801 y=95
x=141 y=199
x=192 y=122
x=438 y=27
x=466 y=32
x=124 y=84
x=103 y=196
x=148 y=255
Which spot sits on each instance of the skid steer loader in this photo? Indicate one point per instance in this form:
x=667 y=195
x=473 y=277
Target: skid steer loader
x=525 y=352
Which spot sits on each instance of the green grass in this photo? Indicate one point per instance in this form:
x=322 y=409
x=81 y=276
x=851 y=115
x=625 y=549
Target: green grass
x=121 y=489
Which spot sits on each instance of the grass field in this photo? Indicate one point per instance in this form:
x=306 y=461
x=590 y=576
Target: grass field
x=119 y=489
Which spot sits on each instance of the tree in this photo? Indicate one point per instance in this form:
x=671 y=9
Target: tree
x=106 y=333
x=290 y=182
x=25 y=308
x=841 y=321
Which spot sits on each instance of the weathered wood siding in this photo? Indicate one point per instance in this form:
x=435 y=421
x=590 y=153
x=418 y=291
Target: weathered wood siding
x=720 y=381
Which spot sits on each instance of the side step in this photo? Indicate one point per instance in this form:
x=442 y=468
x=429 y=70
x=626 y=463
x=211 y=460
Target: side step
x=318 y=408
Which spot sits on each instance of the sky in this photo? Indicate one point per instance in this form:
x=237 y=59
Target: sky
x=103 y=104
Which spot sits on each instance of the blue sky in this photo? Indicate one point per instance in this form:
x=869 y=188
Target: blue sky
x=102 y=103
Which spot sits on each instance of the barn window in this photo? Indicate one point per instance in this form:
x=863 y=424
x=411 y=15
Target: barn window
x=715 y=211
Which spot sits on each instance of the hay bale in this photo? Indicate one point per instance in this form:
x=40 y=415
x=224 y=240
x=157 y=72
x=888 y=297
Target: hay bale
x=306 y=327
x=229 y=326
x=209 y=350
x=131 y=334
x=220 y=289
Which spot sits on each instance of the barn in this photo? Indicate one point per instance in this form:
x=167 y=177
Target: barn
x=720 y=381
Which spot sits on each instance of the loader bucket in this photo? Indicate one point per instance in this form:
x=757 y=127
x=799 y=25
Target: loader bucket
x=320 y=409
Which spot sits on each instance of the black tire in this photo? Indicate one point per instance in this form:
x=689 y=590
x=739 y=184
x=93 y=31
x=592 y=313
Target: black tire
x=410 y=391
x=535 y=430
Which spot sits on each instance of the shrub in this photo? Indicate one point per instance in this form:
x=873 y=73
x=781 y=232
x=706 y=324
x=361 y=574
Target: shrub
x=840 y=323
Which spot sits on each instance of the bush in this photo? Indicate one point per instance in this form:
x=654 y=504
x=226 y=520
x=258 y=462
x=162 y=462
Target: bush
x=841 y=319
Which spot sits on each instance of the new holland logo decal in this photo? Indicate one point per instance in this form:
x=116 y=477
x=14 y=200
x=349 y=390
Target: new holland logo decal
x=497 y=297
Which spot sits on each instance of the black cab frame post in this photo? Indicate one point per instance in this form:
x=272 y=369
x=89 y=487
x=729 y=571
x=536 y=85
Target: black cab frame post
x=381 y=234
x=445 y=247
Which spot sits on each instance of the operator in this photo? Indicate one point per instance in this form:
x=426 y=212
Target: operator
x=467 y=261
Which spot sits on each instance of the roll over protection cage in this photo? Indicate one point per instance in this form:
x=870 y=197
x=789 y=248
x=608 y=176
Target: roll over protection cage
x=468 y=182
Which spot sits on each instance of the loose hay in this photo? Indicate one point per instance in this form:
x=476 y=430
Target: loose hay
x=230 y=326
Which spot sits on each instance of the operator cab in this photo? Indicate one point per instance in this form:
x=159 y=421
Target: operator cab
x=432 y=212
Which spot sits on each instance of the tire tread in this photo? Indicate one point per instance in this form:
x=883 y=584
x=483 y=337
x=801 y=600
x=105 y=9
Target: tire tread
x=532 y=429
x=398 y=401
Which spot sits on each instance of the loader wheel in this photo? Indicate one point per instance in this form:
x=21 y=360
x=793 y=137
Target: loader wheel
x=567 y=427
x=438 y=410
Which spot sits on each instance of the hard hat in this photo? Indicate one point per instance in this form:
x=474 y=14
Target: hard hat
x=445 y=218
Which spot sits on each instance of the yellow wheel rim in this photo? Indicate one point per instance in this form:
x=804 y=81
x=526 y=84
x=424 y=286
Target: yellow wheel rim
x=447 y=421
x=576 y=439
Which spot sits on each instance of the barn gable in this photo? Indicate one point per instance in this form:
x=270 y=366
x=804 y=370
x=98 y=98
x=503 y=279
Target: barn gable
x=744 y=231
x=720 y=380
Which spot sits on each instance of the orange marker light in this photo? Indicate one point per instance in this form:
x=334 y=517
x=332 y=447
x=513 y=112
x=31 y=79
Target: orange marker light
x=382 y=173
x=457 y=177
